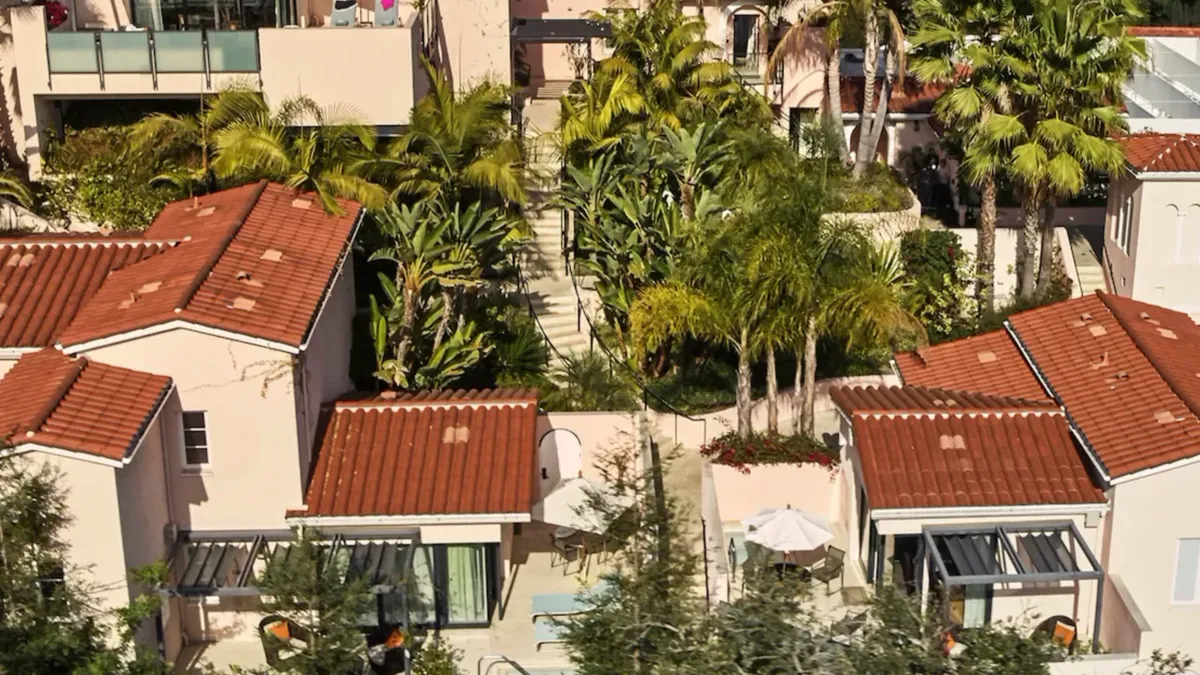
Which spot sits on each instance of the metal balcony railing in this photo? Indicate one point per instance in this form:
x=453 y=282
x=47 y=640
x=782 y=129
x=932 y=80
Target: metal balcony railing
x=152 y=52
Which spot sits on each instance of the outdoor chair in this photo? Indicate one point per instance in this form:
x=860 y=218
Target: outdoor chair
x=830 y=568
x=564 y=550
x=847 y=626
x=281 y=639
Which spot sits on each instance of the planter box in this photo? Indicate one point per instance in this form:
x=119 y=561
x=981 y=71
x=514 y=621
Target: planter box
x=887 y=225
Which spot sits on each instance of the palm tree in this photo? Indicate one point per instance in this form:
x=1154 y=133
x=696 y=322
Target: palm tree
x=978 y=80
x=597 y=115
x=13 y=188
x=304 y=146
x=874 y=15
x=190 y=139
x=455 y=144
x=693 y=157
x=1067 y=112
x=587 y=381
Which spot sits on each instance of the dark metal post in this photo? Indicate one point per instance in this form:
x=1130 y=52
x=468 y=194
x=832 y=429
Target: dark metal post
x=1099 y=609
x=207 y=60
x=99 y=58
x=153 y=60
x=704 y=543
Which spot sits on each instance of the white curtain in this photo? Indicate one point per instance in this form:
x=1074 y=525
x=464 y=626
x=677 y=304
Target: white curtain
x=975 y=606
x=466 y=582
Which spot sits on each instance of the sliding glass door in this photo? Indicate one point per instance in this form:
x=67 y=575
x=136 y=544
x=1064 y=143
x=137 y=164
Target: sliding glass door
x=466 y=585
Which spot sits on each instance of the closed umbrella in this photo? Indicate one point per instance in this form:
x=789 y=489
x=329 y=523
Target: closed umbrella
x=570 y=504
x=787 y=530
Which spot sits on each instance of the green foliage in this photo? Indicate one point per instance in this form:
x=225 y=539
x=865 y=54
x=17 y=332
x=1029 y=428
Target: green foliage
x=757 y=449
x=939 y=269
x=50 y=624
x=588 y=381
x=311 y=591
x=95 y=174
x=521 y=354
x=437 y=657
x=880 y=190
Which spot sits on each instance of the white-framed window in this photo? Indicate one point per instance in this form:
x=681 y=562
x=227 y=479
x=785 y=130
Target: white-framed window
x=195 y=440
x=1121 y=232
x=1186 y=589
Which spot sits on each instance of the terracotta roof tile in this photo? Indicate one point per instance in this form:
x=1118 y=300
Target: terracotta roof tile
x=956 y=460
x=249 y=262
x=45 y=279
x=1165 y=31
x=50 y=399
x=428 y=454
x=1109 y=386
x=922 y=399
x=1153 y=152
x=915 y=98
x=987 y=363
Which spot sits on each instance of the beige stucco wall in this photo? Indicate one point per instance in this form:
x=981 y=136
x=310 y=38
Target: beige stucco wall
x=94 y=533
x=1165 y=243
x=248 y=393
x=1150 y=515
x=599 y=434
x=326 y=362
x=475 y=41
x=806 y=487
x=371 y=70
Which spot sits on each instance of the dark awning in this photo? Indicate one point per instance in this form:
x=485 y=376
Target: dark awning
x=559 y=30
x=231 y=563
x=1009 y=553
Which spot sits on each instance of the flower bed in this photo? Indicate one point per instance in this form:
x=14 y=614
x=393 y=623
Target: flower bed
x=757 y=449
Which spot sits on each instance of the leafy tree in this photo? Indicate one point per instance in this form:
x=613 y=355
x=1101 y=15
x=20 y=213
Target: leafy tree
x=980 y=78
x=1066 y=113
x=437 y=657
x=693 y=157
x=312 y=592
x=879 y=24
x=49 y=621
x=458 y=147
x=186 y=143
x=304 y=146
x=13 y=188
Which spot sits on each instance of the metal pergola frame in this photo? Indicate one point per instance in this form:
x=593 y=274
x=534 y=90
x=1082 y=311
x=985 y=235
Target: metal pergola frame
x=1052 y=563
x=560 y=31
x=220 y=563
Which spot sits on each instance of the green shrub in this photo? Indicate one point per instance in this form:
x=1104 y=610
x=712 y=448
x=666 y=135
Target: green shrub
x=589 y=381
x=939 y=268
x=91 y=174
x=880 y=190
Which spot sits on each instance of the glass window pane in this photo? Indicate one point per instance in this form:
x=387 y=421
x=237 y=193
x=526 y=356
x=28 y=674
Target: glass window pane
x=421 y=608
x=196 y=456
x=179 y=52
x=1186 y=567
x=125 y=52
x=466 y=584
x=195 y=438
x=72 y=52
x=193 y=420
x=233 y=51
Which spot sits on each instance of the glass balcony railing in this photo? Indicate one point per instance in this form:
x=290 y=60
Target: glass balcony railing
x=153 y=52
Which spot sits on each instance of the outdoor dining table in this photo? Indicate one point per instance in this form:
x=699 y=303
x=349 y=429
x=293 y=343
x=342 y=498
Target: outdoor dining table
x=790 y=569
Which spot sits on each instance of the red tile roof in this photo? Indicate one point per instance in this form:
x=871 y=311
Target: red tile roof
x=1154 y=152
x=440 y=453
x=1165 y=31
x=921 y=399
x=1121 y=401
x=255 y=260
x=987 y=363
x=45 y=279
x=915 y=98
x=52 y=400
x=939 y=459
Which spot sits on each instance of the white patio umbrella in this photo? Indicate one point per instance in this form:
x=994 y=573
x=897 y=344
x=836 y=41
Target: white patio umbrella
x=787 y=530
x=570 y=504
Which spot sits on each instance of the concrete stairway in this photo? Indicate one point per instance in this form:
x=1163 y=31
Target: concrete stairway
x=1087 y=263
x=551 y=293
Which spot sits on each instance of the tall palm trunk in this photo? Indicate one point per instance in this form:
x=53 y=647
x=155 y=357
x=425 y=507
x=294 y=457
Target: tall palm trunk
x=985 y=285
x=406 y=325
x=833 y=79
x=809 y=389
x=744 y=421
x=687 y=200
x=1046 y=254
x=1031 y=218
x=797 y=390
x=866 y=118
x=444 y=324
x=879 y=120
x=772 y=393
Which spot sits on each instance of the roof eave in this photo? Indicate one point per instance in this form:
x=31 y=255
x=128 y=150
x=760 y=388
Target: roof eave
x=411 y=519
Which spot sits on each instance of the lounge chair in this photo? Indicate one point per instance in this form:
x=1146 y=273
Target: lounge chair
x=545 y=631
x=830 y=568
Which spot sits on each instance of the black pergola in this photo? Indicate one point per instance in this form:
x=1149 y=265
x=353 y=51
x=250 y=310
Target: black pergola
x=560 y=31
x=231 y=563
x=1009 y=553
